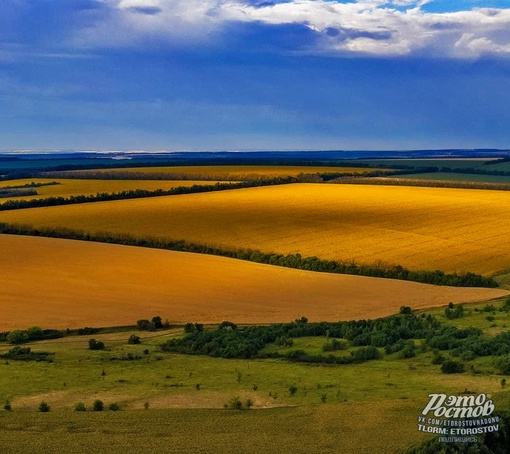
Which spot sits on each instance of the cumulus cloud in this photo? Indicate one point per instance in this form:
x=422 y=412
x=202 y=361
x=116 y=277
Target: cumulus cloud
x=366 y=27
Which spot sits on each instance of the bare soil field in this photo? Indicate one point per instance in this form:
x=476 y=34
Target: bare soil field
x=56 y=283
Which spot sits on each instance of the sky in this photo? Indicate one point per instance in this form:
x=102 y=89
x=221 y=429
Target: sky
x=254 y=74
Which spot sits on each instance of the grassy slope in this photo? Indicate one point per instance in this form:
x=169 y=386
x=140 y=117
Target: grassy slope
x=75 y=284
x=370 y=407
x=411 y=226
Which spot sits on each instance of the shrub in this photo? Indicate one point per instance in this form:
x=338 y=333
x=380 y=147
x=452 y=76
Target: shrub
x=283 y=341
x=334 y=345
x=17 y=337
x=145 y=325
x=80 y=406
x=407 y=352
x=189 y=328
x=35 y=333
x=234 y=403
x=292 y=390
x=98 y=405
x=114 y=407
x=134 y=339
x=366 y=354
x=452 y=367
x=503 y=363
x=44 y=407
x=452 y=311
x=248 y=403
x=157 y=322
x=96 y=345
x=7 y=405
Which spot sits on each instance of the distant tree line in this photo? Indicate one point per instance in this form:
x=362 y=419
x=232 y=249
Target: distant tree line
x=16 y=192
x=296 y=261
x=139 y=193
x=33 y=184
x=383 y=181
x=31 y=334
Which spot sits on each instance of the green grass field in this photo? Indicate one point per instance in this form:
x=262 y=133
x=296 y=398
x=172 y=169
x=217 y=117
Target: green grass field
x=383 y=427
x=169 y=402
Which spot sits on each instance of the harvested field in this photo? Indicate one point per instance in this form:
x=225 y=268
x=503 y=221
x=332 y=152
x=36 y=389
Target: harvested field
x=454 y=230
x=236 y=172
x=74 y=187
x=63 y=283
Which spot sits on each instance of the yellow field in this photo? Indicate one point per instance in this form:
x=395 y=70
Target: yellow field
x=236 y=172
x=63 y=283
x=73 y=187
x=454 y=230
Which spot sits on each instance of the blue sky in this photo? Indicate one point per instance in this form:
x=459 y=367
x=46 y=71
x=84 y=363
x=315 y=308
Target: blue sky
x=249 y=74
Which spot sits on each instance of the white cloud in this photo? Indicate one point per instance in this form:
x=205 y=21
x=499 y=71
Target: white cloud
x=373 y=27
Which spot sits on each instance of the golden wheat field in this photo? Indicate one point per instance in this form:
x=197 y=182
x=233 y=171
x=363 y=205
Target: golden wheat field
x=237 y=172
x=454 y=230
x=73 y=187
x=65 y=283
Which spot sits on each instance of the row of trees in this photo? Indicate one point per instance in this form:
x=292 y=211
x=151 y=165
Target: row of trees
x=31 y=334
x=140 y=193
x=290 y=260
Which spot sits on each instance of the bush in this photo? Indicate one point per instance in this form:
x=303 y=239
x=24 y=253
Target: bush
x=35 y=333
x=452 y=367
x=44 y=407
x=234 y=403
x=80 y=406
x=98 y=405
x=407 y=352
x=145 y=325
x=452 y=311
x=334 y=345
x=157 y=322
x=134 y=339
x=7 y=405
x=114 y=407
x=503 y=363
x=96 y=345
x=17 y=337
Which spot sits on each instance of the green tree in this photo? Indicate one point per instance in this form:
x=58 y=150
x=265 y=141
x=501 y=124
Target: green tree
x=96 y=345
x=17 y=337
x=134 y=339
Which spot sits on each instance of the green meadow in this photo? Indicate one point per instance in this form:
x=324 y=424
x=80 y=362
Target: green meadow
x=169 y=402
